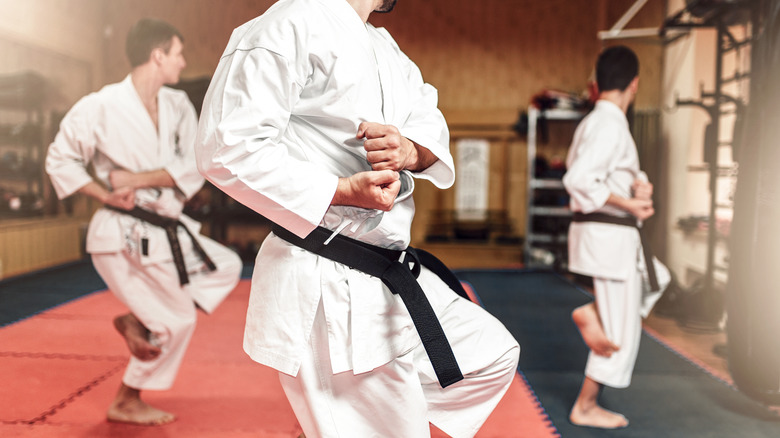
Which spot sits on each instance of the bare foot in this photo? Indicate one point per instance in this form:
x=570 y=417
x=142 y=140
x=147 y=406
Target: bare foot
x=137 y=337
x=596 y=416
x=587 y=319
x=128 y=407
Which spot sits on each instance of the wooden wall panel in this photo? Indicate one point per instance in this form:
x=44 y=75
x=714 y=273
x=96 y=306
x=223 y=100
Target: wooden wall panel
x=487 y=58
x=494 y=53
x=205 y=24
x=481 y=55
x=28 y=245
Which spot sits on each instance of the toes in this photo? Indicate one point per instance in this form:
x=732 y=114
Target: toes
x=170 y=418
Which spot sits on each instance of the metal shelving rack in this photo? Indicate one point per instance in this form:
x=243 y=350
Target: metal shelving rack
x=555 y=242
x=718 y=104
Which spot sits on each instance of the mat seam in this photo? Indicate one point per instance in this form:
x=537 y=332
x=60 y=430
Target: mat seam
x=69 y=399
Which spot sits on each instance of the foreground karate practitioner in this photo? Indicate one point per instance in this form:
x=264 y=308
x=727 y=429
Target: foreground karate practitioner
x=609 y=193
x=138 y=136
x=318 y=121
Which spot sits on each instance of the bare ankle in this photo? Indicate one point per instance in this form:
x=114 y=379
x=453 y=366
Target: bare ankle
x=137 y=337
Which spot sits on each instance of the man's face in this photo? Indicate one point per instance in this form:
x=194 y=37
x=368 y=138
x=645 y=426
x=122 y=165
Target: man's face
x=386 y=6
x=173 y=62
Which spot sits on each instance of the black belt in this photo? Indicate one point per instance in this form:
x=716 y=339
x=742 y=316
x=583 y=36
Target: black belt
x=401 y=279
x=171 y=227
x=628 y=221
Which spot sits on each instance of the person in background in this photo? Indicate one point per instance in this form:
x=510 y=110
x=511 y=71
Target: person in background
x=610 y=197
x=131 y=147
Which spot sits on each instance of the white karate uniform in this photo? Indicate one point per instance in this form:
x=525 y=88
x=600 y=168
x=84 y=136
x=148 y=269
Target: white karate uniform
x=603 y=160
x=111 y=129
x=277 y=130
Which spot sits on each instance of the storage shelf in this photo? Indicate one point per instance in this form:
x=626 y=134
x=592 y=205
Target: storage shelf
x=554 y=240
x=547 y=238
x=549 y=211
x=561 y=114
x=22 y=146
x=547 y=183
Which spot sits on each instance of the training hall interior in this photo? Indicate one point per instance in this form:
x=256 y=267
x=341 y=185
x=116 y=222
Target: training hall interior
x=514 y=79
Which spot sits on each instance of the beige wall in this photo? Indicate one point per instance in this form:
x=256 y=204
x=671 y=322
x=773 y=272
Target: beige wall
x=62 y=39
x=27 y=245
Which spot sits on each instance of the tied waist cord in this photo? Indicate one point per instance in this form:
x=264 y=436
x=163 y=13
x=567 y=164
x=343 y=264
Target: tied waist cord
x=393 y=268
x=171 y=227
x=628 y=221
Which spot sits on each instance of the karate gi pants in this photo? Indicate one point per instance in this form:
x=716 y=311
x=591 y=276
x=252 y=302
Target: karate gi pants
x=400 y=398
x=621 y=307
x=167 y=309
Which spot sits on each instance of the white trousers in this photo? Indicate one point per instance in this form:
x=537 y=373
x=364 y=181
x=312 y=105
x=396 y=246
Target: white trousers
x=400 y=398
x=621 y=306
x=153 y=294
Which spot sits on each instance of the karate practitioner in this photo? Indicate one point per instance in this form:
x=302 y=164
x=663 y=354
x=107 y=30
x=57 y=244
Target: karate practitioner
x=137 y=136
x=609 y=193
x=317 y=120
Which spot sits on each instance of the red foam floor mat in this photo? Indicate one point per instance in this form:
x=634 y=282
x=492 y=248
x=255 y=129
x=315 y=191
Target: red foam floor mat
x=61 y=369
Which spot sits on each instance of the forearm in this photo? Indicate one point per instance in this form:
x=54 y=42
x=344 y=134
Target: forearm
x=344 y=193
x=154 y=178
x=618 y=202
x=424 y=158
x=96 y=191
x=639 y=208
x=122 y=198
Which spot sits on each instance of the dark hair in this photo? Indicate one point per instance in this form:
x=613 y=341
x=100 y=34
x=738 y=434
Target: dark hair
x=146 y=35
x=616 y=67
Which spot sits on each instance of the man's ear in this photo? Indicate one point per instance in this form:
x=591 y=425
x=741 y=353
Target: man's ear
x=634 y=85
x=157 y=55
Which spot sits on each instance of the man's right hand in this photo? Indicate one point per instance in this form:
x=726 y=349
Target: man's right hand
x=641 y=208
x=122 y=198
x=638 y=207
x=371 y=189
x=642 y=189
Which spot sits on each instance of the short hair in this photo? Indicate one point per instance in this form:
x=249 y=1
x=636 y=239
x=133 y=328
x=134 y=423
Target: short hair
x=146 y=35
x=616 y=67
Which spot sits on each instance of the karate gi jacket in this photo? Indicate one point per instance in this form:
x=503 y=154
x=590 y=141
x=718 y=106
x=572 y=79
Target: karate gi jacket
x=111 y=129
x=277 y=130
x=602 y=159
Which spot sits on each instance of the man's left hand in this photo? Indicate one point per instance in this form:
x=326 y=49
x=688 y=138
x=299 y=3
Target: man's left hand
x=386 y=148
